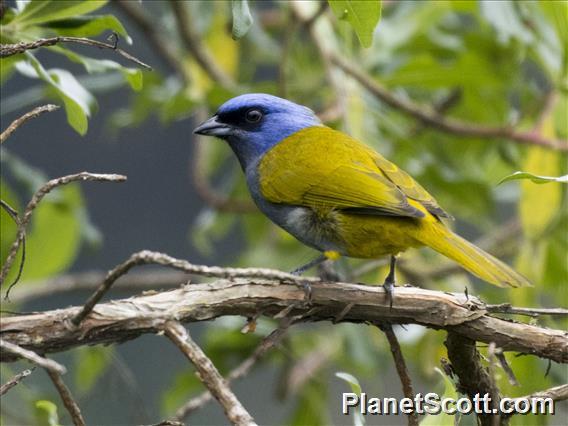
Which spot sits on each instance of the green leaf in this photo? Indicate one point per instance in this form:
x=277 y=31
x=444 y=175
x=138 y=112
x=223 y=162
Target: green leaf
x=46 y=413
x=362 y=15
x=79 y=103
x=40 y=11
x=242 y=18
x=134 y=77
x=534 y=178
x=358 y=419
x=87 y=26
x=90 y=363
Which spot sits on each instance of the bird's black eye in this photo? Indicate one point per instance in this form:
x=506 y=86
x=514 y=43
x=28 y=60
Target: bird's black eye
x=253 y=115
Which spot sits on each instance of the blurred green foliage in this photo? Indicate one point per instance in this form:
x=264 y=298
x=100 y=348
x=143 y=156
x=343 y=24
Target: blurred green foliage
x=487 y=63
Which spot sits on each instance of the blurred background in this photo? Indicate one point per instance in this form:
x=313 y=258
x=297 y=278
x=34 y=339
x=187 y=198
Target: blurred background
x=491 y=65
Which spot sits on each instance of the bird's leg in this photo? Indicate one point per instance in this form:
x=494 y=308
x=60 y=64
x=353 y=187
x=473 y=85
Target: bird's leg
x=314 y=262
x=327 y=255
x=389 y=283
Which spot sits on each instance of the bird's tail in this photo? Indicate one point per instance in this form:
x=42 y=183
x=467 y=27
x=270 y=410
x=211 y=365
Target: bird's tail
x=475 y=260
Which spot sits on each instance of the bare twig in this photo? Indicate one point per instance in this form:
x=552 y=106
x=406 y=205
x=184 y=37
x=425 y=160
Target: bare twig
x=506 y=308
x=193 y=44
x=401 y=368
x=37 y=197
x=442 y=123
x=240 y=371
x=146 y=257
x=14 y=215
x=15 y=380
x=48 y=364
x=150 y=29
x=121 y=320
x=557 y=393
x=27 y=116
x=473 y=377
x=208 y=374
x=67 y=398
x=506 y=367
x=17 y=48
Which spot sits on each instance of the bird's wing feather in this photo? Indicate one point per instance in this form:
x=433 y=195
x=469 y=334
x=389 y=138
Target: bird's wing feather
x=319 y=166
x=408 y=185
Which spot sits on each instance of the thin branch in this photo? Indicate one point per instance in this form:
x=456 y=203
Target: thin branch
x=150 y=29
x=14 y=215
x=125 y=319
x=31 y=356
x=15 y=380
x=194 y=45
x=240 y=371
x=506 y=308
x=442 y=123
x=37 y=197
x=27 y=116
x=147 y=257
x=67 y=398
x=208 y=374
x=557 y=393
x=506 y=367
x=18 y=48
x=401 y=368
x=473 y=377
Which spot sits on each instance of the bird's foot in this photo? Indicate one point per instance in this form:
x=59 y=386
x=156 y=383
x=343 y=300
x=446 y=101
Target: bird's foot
x=307 y=288
x=389 y=285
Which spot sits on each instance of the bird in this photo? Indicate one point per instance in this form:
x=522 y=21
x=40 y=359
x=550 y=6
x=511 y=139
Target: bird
x=336 y=194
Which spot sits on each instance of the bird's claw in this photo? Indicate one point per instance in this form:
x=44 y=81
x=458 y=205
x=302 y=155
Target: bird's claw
x=307 y=288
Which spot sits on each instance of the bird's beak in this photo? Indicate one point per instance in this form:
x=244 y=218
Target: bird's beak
x=213 y=127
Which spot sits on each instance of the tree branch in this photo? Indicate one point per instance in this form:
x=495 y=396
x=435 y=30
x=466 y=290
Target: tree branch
x=208 y=374
x=15 y=380
x=37 y=197
x=193 y=44
x=473 y=377
x=150 y=30
x=18 y=48
x=31 y=356
x=240 y=371
x=125 y=319
x=147 y=257
x=67 y=398
x=442 y=123
x=27 y=116
x=401 y=368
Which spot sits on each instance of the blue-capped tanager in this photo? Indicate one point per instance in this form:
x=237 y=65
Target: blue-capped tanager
x=336 y=194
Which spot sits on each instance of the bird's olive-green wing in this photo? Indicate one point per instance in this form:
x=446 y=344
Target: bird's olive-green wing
x=321 y=167
x=408 y=185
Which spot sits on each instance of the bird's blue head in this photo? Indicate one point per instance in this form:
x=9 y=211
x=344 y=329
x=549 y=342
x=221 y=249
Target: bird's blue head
x=254 y=123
